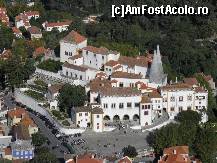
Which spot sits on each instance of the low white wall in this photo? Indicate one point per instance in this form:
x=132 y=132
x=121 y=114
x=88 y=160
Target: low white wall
x=33 y=104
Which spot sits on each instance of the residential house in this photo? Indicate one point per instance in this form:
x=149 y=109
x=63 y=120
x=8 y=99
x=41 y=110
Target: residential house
x=28 y=123
x=97 y=57
x=53 y=92
x=35 y=32
x=6 y=54
x=82 y=73
x=71 y=44
x=3 y=16
x=179 y=154
x=88 y=116
x=125 y=79
x=60 y=26
x=125 y=160
x=17 y=32
x=15 y=115
x=180 y=96
x=22 y=20
x=22 y=149
x=6 y=153
x=85 y=158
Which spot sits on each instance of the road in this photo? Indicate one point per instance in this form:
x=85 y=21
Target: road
x=8 y=101
x=51 y=137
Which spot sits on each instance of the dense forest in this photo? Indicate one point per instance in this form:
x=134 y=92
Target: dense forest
x=186 y=41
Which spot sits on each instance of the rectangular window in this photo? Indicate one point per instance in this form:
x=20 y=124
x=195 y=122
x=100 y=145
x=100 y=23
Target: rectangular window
x=97 y=116
x=146 y=113
x=189 y=98
x=86 y=114
x=80 y=114
x=143 y=106
x=121 y=105
x=180 y=109
x=172 y=109
x=172 y=99
x=180 y=98
x=80 y=77
x=149 y=106
x=97 y=127
x=121 y=85
x=129 y=105
x=97 y=124
x=137 y=105
x=102 y=57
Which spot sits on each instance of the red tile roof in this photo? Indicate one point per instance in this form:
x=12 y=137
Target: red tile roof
x=58 y=24
x=89 y=160
x=120 y=74
x=177 y=86
x=177 y=149
x=18 y=112
x=112 y=63
x=131 y=61
x=175 y=158
x=39 y=51
x=200 y=89
x=16 y=30
x=74 y=37
x=34 y=30
x=31 y=13
x=7 y=151
x=101 y=50
x=125 y=160
x=190 y=81
x=27 y=121
x=154 y=94
x=75 y=67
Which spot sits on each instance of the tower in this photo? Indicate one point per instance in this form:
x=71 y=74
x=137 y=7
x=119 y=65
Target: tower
x=157 y=75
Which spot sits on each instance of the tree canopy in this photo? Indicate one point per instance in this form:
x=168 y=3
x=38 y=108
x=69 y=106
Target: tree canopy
x=129 y=151
x=71 y=96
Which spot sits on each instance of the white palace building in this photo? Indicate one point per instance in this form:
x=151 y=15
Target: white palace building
x=124 y=88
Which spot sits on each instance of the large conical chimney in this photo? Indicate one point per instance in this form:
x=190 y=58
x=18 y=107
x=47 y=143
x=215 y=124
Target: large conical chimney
x=157 y=75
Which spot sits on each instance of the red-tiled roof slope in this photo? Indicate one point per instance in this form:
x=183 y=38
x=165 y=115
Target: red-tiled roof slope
x=74 y=37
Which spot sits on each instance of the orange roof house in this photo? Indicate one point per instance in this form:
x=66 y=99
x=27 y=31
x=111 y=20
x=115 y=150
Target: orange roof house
x=176 y=154
x=74 y=37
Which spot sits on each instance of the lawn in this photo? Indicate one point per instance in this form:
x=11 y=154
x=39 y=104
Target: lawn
x=37 y=96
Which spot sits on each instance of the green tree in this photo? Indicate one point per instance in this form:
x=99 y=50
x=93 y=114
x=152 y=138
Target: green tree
x=6 y=37
x=71 y=96
x=38 y=139
x=189 y=116
x=129 y=151
x=206 y=145
x=43 y=155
